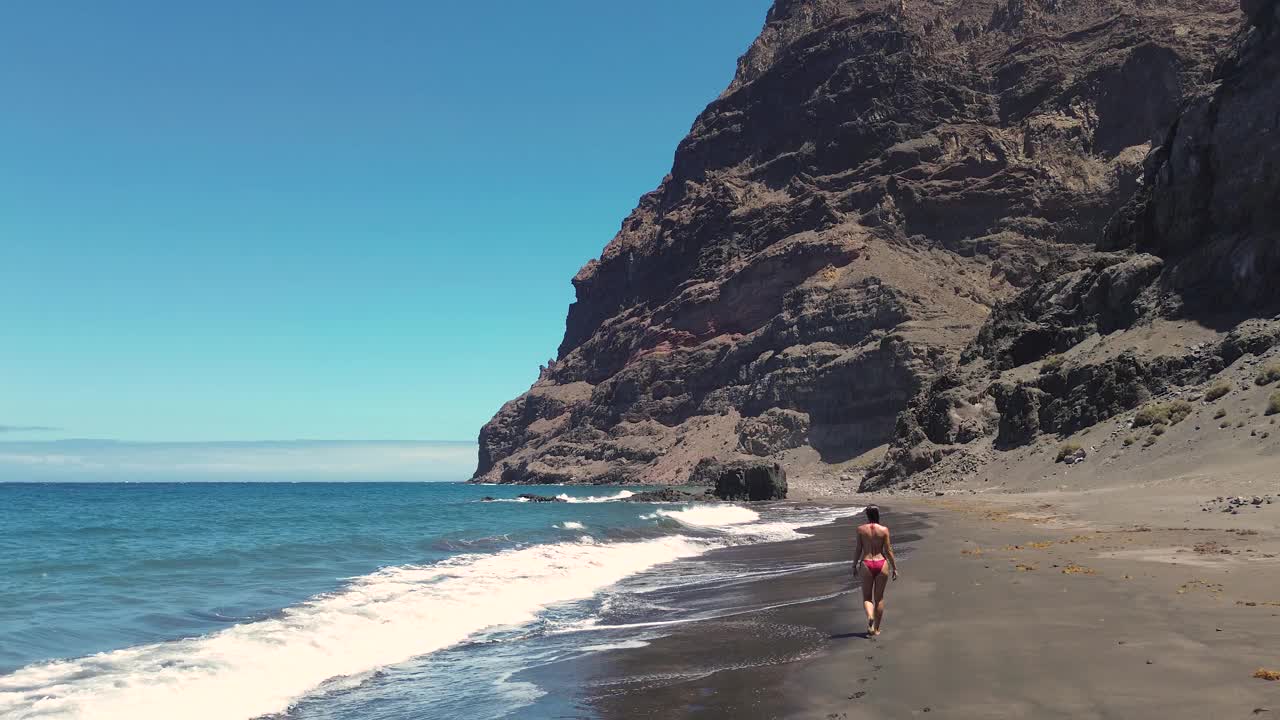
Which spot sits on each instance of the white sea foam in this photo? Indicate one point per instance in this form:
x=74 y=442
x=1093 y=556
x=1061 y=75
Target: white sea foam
x=565 y=497
x=735 y=520
x=380 y=619
x=711 y=516
x=571 y=525
x=623 y=645
x=622 y=495
x=732 y=520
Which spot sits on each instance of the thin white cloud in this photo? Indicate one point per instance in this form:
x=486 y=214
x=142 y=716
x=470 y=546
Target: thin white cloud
x=46 y=459
x=88 y=461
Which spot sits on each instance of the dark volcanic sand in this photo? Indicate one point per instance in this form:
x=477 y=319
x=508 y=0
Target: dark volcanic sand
x=995 y=617
x=734 y=666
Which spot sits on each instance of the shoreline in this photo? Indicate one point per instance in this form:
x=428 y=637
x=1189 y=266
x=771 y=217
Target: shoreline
x=1119 y=602
x=735 y=664
x=1004 y=609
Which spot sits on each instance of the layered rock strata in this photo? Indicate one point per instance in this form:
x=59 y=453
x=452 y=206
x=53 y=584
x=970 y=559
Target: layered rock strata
x=840 y=223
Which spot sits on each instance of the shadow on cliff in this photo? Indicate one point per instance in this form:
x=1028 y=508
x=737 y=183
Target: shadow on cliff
x=842 y=443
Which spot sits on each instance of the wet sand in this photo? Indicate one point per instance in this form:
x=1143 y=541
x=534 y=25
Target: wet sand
x=1001 y=612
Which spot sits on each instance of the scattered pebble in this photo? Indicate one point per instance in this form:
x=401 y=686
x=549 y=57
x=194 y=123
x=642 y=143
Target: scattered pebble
x=1234 y=505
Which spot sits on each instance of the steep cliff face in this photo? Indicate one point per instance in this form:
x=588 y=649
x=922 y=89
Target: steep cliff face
x=1182 y=286
x=1212 y=198
x=840 y=222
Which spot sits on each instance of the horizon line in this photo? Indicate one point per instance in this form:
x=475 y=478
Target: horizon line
x=4 y=440
x=248 y=482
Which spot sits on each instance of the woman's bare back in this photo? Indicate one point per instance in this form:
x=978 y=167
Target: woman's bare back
x=873 y=538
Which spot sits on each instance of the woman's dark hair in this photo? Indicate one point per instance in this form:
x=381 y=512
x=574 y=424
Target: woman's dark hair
x=873 y=513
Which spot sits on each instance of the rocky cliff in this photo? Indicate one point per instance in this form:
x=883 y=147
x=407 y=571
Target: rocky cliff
x=881 y=209
x=1181 y=286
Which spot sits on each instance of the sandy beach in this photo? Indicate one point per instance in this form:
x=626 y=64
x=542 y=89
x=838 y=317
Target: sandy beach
x=1007 y=607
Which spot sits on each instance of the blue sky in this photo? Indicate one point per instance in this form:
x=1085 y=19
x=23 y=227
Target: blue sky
x=325 y=220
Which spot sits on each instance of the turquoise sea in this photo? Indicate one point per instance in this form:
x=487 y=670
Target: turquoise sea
x=230 y=601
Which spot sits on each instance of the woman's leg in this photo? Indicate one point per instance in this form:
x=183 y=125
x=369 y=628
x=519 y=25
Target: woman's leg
x=868 y=601
x=879 y=586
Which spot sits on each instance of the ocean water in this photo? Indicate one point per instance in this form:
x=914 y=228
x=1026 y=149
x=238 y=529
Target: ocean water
x=336 y=601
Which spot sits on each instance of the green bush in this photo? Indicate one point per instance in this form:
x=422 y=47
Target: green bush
x=1067 y=449
x=1168 y=413
x=1273 y=404
x=1151 y=440
x=1269 y=374
x=1053 y=363
x=1157 y=430
x=1130 y=440
x=1218 y=391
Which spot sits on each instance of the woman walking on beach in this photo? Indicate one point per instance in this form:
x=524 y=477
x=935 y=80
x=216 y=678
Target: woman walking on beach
x=873 y=550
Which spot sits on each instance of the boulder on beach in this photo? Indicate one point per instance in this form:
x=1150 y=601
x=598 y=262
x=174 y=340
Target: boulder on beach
x=745 y=480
